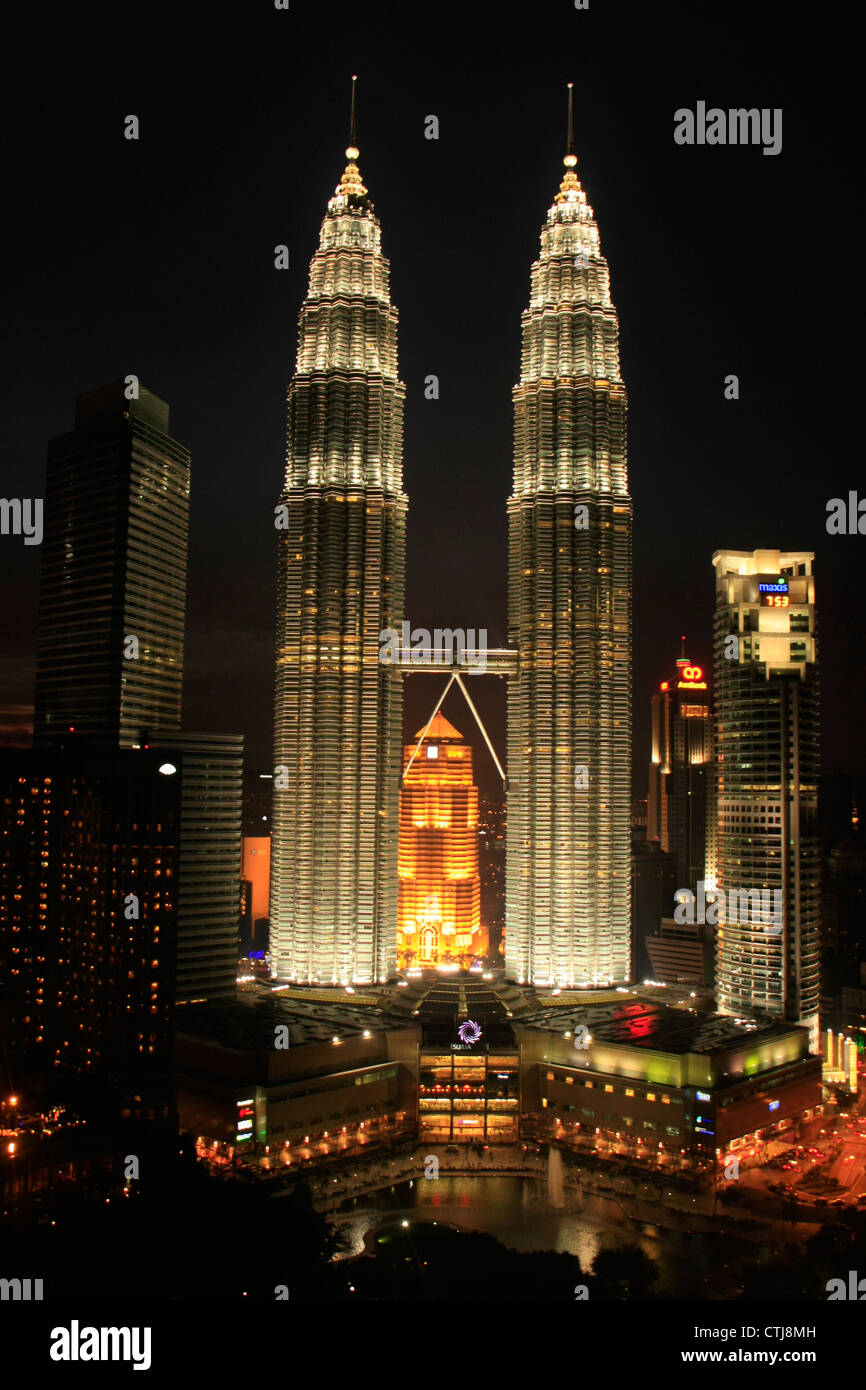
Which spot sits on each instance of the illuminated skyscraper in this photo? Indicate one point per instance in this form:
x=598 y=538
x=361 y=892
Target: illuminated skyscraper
x=766 y=773
x=569 y=705
x=113 y=569
x=341 y=527
x=679 y=769
x=439 y=917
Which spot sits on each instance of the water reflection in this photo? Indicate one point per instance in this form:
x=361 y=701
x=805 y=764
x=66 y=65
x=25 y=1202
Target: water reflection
x=518 y=1211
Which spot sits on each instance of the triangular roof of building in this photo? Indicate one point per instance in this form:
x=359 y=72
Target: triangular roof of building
x=440 y=728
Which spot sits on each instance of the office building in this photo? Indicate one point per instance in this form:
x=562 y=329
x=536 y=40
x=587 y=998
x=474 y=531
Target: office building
x=210 y=770
x=766 y=784
x=569 y=617
x=112 y=598
x=341 y=525
x=680 y=764
x=439 y=915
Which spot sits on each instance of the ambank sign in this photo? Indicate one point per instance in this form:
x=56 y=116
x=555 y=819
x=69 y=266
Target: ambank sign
x=692 y=678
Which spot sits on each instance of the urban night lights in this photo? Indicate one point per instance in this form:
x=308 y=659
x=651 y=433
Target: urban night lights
x=393 y=904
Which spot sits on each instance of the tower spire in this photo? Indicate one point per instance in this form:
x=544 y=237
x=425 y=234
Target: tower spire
x=352 y=151
x=350 y=191
x=570 y=157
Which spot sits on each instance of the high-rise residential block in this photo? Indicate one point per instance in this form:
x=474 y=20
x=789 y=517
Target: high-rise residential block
x=89 y=885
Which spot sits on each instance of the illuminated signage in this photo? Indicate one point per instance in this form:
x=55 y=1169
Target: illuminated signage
x=703 y=1095
x=775 y=600
x=246 y=1112
x=469 y=1034
x=692 y=678
x=780 y=588
x=774 y=1105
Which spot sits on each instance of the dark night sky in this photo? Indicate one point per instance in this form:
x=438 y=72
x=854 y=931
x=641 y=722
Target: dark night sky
x=156 y=258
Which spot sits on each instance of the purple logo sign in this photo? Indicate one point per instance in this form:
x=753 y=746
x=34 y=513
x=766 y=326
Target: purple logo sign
x=469 y=1032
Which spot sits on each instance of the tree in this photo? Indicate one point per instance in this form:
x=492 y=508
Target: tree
x=624 y=1273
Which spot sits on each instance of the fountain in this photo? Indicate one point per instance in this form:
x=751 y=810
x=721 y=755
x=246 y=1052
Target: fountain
x=555 y=1185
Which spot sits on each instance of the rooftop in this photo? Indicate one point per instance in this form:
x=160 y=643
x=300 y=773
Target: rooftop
x=248 y=1025
x=657 y=1027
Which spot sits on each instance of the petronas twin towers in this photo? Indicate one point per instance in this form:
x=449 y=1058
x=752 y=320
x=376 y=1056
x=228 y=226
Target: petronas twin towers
x=342 y=554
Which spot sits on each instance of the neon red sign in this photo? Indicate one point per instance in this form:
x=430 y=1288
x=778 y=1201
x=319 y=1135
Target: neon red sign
x=693 y=678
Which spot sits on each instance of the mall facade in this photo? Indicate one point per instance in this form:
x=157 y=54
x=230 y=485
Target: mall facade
x=299 y=1077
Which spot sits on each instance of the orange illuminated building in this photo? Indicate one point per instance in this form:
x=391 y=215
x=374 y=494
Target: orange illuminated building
x=257 y=868
x=439 y=912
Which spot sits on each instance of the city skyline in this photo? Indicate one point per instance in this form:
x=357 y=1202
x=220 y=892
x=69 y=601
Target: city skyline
x=549 y=985
x=745 y=324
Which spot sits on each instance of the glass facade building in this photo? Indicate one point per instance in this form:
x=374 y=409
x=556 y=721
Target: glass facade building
x=765 y=837
x=114 y=564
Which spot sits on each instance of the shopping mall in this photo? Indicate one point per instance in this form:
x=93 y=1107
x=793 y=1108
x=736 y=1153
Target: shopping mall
x=296 y=1076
